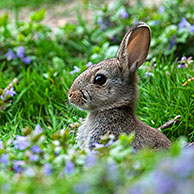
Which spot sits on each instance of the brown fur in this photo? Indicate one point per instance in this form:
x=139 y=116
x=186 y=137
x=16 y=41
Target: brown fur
x=111 y=106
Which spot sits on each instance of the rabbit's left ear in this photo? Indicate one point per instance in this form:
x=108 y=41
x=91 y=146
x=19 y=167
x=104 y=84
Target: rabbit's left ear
x=134 y=47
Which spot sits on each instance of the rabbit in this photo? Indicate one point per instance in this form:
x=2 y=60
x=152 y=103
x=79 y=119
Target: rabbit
x=108 y=91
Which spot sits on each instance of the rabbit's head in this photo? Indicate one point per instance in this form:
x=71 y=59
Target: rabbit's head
x=112 y=83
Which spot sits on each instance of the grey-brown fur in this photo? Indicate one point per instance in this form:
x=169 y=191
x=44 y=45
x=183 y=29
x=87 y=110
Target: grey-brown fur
x=111 y=106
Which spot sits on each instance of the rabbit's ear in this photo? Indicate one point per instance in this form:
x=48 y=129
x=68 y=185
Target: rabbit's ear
x=135 y=46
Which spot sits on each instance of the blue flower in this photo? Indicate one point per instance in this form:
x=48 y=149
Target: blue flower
x=29 y=172
x=33 y=157
x=124 y=14
x=112 y=171
x=164 y=183
x=89 y=64
x=38 y=130
x=20 y=52
x=104 y=24
x=4 y=159
x=82 y=188
x=183 y=58
x=100 y=21
x=161 y=9
x=76 y=70
x=180 y=66
x=26 y=60
x=192 y=28
x=137 y=189
x=1 y=144
x=115 y=39
x=172 y=42
x=91 y=160
x=98 y=145
x=183 y=23
x=10 y=55
x=47 y=169
x=18 y=165
x=148 y=74
x=36 y=149
x=69 y=168
x=10 y=92
x=21 y=142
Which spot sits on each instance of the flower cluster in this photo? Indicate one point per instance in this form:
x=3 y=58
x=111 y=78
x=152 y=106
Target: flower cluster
x=171 y=176
x=31 y=153
x=76 y=70
x=20 y=54
x=7 y=93
x=184 y=62
x=104 y=23
x=185 y=24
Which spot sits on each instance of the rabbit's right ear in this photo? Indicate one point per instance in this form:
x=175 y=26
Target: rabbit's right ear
x=134 y=47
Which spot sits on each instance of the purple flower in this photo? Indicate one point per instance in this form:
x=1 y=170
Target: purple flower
x=37 y=130
x=183 y=58
x=180 y=66
x=36 y=149
x=100 y=21
x=135 y=21
x=10 y=92
x=76 y=70
x=21 y=142
x=192 y=28
x=69 y=168
x=33 y=157
x=104 y=26
x=26 y=60
x=136 y=189
x=98 y=145
x=112 y=171
x=89 y=64
x=115 y=39
x=161 y=9
x=10 y=55
x=148 y=74
x=183 y=166
x=4 y=159
x=17 y=165
x=172 y=42
x=183 y=23
x=124 y=14
x=47 y=169
x=82 y=188
x=164 y=183
x=91 y=160
x=29 y=172
x=20 y=52
x=1 y=144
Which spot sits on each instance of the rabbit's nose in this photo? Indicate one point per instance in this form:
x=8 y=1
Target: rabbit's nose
x=70 y=95
x=75 y=97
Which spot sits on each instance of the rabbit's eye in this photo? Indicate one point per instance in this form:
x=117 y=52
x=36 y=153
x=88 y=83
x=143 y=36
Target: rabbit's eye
x=99 y=79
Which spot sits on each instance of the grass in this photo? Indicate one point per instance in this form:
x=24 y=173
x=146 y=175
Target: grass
x=19 y=3
x=43 y=99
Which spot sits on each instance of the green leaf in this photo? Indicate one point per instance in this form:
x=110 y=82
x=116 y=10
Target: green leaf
x=38 y=16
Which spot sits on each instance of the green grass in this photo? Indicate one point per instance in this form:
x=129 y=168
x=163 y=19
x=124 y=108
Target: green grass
x=8 y=4
x=162 y=97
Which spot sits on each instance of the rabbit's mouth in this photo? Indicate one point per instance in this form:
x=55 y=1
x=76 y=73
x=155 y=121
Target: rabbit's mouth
x=78 y=98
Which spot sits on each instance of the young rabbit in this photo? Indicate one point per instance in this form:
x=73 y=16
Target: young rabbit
x=108 y=91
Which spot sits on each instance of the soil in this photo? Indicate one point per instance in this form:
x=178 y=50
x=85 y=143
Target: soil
x=60 y=14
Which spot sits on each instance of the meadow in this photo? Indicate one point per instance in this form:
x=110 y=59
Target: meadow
x=38 y=125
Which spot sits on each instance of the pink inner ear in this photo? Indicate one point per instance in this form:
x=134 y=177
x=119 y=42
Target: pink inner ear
x=138 y=46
